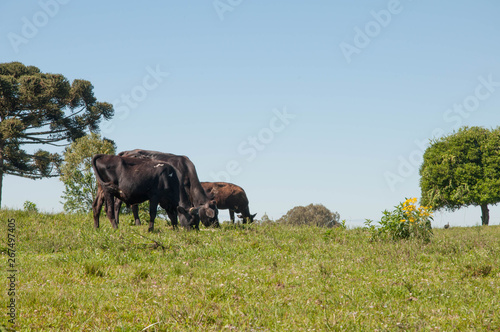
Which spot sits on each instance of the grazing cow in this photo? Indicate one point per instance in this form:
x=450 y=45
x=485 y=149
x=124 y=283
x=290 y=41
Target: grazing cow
x=230 y=196
x=134 y=181
x=189 y=179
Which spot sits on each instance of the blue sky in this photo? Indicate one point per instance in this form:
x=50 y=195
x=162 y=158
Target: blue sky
x=298 y=102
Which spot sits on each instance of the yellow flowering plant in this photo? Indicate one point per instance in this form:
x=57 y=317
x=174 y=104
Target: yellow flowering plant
x=406 y=221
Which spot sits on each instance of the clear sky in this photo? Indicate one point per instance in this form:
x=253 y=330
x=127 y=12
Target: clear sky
x=298 y=102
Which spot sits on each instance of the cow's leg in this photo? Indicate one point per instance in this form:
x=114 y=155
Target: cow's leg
x=97 y=206
x=172 y=215
x=135 y=212
x=117 y=207
x=153 y=207
x=231 y=215
x=110 y=209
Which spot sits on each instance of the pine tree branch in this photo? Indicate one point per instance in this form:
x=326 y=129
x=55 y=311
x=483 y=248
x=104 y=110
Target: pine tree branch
x=27 y=174
x=66 y=117
x=45 y=142
x=45 y=132
x=34 y=140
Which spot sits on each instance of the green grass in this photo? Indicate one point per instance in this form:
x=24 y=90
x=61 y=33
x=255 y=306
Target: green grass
x=254 y=278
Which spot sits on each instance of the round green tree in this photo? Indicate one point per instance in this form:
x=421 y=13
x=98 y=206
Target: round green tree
x=77 y=173
x=462 y=169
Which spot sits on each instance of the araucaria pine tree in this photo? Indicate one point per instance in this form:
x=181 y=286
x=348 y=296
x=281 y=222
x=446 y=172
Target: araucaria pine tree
x=42 y=109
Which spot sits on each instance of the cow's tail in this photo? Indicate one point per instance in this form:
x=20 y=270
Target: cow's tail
x=113 y=188
x=94 y=166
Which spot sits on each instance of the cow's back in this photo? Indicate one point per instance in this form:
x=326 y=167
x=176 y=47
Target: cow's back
x=186 y=168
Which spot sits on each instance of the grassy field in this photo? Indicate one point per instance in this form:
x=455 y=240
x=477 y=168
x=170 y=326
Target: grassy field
x=71 y=277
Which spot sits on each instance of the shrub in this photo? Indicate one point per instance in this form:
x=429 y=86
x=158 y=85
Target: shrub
x=404 y=222
x=313 y=214
x=30 y=207
x=265 y=219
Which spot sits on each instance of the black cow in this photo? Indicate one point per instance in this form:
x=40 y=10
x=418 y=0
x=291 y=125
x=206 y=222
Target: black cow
x=134 y=181
x=188 y=177
x=230 y=196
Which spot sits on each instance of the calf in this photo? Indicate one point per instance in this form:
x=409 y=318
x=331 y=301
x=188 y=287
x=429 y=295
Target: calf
x=230 y=196
x=134 y=181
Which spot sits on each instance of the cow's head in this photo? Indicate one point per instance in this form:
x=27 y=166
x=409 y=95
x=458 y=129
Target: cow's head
x=250 y=219
x=209 y=215
x=189 y=218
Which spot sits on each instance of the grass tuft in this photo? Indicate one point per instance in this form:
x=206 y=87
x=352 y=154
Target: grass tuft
x=93 y=269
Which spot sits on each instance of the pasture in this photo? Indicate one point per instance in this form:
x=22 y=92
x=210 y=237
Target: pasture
x=268 y=277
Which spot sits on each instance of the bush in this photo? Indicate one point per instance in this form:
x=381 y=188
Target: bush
x=313 y=214
x=404 y=222
x=30 y=207
x=266 y=220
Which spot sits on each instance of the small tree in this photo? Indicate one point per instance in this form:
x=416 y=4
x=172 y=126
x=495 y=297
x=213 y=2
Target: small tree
x=313 y=214
x=462 y=169
x=77 y=173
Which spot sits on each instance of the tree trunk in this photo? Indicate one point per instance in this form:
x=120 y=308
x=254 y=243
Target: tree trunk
x=485 y=218
x=1 y=182
x=1 y=173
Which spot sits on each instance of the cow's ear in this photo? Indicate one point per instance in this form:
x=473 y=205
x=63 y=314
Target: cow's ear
x=180 y=209
x=253 y=215
x=210 y=213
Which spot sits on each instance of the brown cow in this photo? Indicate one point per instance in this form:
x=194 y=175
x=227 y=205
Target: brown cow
x=230 y=196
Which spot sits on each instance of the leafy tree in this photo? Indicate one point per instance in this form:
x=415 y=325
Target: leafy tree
x=42 y=108
x=462 y=169
x=77 y=173
x=313 y=214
